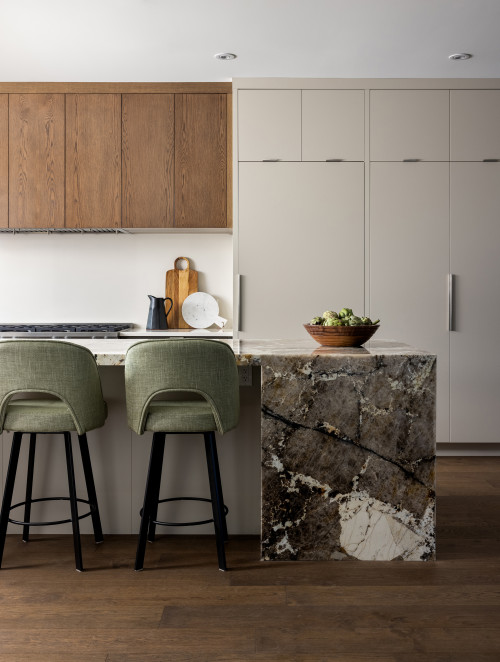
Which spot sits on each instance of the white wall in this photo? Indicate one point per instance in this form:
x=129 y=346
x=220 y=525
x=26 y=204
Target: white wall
x=104 y=278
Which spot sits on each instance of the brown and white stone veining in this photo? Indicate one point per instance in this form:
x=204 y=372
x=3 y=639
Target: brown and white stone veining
x=348 y=444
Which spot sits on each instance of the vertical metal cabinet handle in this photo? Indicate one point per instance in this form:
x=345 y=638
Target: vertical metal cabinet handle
x=238 y=301
x=450 y=303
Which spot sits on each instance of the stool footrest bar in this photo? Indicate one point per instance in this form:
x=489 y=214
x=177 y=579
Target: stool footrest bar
x=206 y=521
x=62 y=521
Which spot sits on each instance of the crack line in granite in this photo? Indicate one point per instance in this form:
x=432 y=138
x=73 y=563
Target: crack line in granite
x=297 y=426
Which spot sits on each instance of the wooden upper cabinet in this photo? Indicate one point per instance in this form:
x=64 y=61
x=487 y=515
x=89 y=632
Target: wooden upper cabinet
x=148 y=160
x=201 y=152
x=93 y=160
x=474 y=125
x=270 y=125
x=36 y=160
x=407 y=125
x=4 y=160
x=333 y=125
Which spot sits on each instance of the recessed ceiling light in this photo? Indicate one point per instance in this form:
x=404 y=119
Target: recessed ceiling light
x=225 y=56
x=460 y=56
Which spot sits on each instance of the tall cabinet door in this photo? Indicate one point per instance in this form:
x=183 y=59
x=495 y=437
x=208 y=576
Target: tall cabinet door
x=301 y=230
x=93 y=160
x=148 y=160
x=4 y=160
x=409 y=247
x=36 y=160
x=201 y=161
x=475 y=264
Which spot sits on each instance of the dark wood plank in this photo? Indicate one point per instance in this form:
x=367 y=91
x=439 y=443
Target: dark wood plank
x=148 y=160
x=36 y=160
x=93 y=160
x=335 y=616
x=200 y=160
x=4 y=160
x=400 y=641
x=467 y=595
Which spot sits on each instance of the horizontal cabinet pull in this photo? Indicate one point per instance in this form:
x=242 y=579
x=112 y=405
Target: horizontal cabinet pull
x=270 y=160
x=491 y=160
x=333 y=160
x=411 y=160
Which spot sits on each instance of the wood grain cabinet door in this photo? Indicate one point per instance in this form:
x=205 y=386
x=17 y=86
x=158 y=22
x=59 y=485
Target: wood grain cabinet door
x=36 y=160
x=148 y=160
x=93 y=160
x=201 y=160
x=4 y=160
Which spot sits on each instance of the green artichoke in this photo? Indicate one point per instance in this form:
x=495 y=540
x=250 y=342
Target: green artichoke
x=316 y=320
x=330 y=314
x=345 y=313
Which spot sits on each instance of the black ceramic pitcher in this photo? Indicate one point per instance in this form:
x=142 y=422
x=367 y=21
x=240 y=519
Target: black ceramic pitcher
x=157 y=317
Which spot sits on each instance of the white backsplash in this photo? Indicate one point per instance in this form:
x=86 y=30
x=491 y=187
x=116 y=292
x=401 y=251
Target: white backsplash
x=104 y=278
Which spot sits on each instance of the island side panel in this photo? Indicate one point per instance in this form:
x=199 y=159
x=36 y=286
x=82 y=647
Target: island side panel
x=348 y=457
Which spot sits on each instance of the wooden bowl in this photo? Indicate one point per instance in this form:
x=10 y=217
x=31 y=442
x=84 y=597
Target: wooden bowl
x=341 y=336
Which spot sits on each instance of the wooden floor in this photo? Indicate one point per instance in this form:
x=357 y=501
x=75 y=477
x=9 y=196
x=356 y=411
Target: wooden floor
x=182 y=608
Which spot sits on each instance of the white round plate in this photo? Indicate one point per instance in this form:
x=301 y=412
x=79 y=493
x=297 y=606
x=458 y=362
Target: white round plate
x=200 y=310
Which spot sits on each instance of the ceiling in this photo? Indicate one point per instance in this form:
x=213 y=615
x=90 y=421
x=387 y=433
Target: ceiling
x=175 y=40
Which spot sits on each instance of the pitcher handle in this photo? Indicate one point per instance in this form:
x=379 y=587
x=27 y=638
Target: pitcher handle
x=171 y=304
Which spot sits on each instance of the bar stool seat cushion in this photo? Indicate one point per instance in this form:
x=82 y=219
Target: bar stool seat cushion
x=183 y=416
x=37 y=415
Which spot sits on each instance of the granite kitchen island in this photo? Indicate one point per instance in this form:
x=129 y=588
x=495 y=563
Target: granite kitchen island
x=348 y=447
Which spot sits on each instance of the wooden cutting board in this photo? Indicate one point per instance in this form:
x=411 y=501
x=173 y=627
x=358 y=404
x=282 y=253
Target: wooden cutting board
x=180 y=283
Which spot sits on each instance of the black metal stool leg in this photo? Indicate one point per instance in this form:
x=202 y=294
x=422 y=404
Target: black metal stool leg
x=29 y=487
x=9 y=489
x=217 y=504
x=73 y=502
x=91 y=493
x=219 y=488
x=151 y=490
x=157 y=469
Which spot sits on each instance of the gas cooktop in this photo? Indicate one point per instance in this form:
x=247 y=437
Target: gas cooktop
x=61 y=330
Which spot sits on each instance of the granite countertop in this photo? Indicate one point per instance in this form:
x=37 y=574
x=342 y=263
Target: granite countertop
x=111 y=352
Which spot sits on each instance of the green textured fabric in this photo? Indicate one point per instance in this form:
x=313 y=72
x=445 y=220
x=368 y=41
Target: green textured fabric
x=190 y=365
x=61 y=369
x=184 y=416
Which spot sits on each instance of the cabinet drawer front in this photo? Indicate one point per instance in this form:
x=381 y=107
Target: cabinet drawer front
x=269 y=125
x=474 y=125
x=333 y=125
x=409 y=125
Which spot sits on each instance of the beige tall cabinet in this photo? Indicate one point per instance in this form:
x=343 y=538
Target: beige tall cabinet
x=301 y=208
x=428 y=154
x=409 y=245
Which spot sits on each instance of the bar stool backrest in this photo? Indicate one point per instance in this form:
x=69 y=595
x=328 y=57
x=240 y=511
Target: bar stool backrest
x=65 y=370
x=206 y=367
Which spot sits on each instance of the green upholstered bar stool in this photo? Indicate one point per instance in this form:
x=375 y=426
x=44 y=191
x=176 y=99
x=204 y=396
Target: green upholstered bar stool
x=189 y=366
x=61 y=390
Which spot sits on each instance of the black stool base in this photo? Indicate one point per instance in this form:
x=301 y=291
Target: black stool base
x=73 y=499
x=151 y=500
